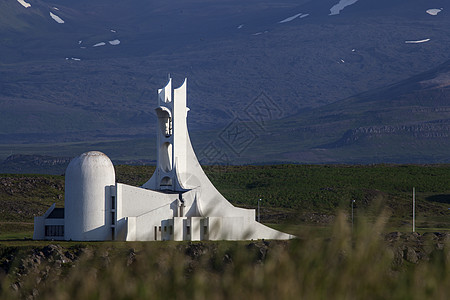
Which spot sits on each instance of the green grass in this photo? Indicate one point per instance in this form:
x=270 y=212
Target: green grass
x=347 y=264
x=331 y=259
x=16 y=230
x=291 y=194
x=22 y=197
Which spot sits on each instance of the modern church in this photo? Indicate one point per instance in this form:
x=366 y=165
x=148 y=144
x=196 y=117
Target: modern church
x=177 y=203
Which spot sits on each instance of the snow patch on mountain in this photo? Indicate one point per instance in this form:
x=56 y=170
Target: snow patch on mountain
x=336 y=9
x=114 y=42
x=300 y=15
x=261 y=32
x=56 y=18
x=434 y=11
x=24 y=4
x=417 y=42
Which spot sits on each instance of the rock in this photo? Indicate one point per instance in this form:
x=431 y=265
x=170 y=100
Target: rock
x=195 y=250
x=15 y=287
x=69 y=255
x=260 y=248
x=393 y=236
x=131 y=257
x=397 y=261
x=409 y=254
x=227 y=259
x=431 y=235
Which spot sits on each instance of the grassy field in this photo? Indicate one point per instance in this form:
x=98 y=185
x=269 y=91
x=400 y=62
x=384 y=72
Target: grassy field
x=331 y=259
x=293 y=196
x=299 y=194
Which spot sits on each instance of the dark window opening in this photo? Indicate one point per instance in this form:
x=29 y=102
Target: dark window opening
x=166 y=181
x=54 y=230
x=57 y=213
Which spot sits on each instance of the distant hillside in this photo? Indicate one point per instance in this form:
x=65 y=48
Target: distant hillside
x=39 y=164
x=82 y=75
x=405 y=122
x=34 y=164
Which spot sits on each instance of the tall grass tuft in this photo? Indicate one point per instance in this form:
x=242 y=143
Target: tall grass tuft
x=352 y=264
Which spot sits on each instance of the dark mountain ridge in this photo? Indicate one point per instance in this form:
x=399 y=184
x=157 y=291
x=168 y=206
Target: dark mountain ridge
x=93 y=79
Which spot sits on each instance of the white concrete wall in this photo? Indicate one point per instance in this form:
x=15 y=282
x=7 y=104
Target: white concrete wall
x=178 y=228
x=131 y=229
x=146 y=209
x=39 y=228
x=215 y=228
x=238 y=228
x=146 y=223
x=135 y=201
x=244 y=229
x=196 y=228
x=180 y=135
x=87 y=197
x=166 y=233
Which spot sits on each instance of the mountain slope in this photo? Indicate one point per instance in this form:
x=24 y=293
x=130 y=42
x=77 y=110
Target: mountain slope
x=405 y=122
x=94 y=77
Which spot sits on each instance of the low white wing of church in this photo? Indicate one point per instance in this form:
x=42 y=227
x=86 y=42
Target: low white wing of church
x=177 y=203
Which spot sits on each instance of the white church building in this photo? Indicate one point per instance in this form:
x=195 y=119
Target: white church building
x=177 y=203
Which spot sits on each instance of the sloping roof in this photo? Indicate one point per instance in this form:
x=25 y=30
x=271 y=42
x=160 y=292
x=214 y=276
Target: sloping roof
x=57 y=213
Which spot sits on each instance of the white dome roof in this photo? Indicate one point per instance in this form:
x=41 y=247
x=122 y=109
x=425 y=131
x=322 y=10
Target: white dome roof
x=90 y=161
x=87 y=197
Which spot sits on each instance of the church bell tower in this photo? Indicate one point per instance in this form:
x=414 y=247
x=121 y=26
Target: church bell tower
x=172 y=139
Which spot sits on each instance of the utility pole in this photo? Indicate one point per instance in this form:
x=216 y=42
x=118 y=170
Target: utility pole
x=259 y=216
x=353 y=202
x=414 y=210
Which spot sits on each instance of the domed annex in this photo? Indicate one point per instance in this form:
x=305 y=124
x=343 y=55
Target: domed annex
x=88 y=181
x=177 y=203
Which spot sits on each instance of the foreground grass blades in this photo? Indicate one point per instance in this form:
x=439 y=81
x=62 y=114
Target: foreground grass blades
x=358 y=264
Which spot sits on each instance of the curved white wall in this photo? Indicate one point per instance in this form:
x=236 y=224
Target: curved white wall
x=87 y=197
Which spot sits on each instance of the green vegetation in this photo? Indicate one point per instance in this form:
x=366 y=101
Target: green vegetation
x=362 y=265
x=331 y=259
x=294 y=195
x=24 y=196
x=294 y=191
